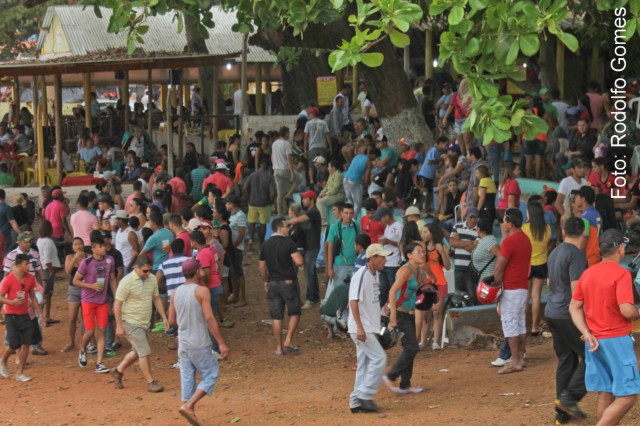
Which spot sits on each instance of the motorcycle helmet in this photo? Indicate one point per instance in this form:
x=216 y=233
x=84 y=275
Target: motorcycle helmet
x=426 y=297
x=487 y=293
x=388 y=338
x=459 y=299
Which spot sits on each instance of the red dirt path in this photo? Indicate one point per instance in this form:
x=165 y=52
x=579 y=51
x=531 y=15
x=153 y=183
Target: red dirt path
x=259 y=389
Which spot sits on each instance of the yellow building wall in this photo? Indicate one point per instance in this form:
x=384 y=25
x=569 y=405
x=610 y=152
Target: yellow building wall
x=56 y=42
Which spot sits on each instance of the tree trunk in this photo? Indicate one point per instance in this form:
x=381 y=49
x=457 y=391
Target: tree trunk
x=300 y=81
x=547 y=62
x=195 y=43
x=388 y=84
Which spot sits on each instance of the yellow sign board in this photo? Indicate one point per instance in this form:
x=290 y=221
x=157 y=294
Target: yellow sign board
x=326 y=88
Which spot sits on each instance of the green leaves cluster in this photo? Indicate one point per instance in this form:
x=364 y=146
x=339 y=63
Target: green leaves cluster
x=372 y=22
x=632 y=18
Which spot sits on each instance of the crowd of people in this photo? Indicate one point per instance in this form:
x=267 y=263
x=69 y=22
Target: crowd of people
x=385 y=224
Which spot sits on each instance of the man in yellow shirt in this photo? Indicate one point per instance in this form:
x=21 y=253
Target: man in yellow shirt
x=132 y=309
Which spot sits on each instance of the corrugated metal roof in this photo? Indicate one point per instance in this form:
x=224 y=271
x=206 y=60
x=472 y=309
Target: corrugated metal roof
x=86 y=33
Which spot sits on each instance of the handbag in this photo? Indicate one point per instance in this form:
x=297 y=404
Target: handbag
x=475 y=275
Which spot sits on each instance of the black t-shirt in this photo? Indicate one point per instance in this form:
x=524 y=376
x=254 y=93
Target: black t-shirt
x=251 y=154
x=381 y=177
x=277 y=251
x=427 y=113
x=315 y=221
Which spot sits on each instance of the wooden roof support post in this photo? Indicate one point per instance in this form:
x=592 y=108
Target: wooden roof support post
x=163 y=98
x=38 y=122
x=594 y=73
x=45 y=103
x=259 y=98
x=356 y=86
x=86 y=92
x=169 y=128
x=181 y=111
x=428 y=54
x=149 y=102
x=125 y=100
x=57 y=88
x=214 y=107
x=16 y=100
x=243 y=84
x=560 y=66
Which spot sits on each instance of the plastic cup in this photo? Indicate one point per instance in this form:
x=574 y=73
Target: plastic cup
x=100 y=282
x=165 y=244
x=20 y=296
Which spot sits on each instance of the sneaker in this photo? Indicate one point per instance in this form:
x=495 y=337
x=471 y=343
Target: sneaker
x=499 y=362
x=109 y=353
x=308 y=305
x=227 y=323
x=101 y=369
x=115 y=346
x=570 y=408
x=117 y=377
x=82 y=359
x=155 y=387
x=218 y=355
x=170 y=332
x=92 y=349
x=4 y=371
x=176 y=365
x=23 y=378
x=38 y=350
x=562 y=417
x=158 y=328
x=435 y=346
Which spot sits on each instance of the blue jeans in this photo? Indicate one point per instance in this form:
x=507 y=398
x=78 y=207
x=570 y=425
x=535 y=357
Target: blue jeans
x=216 y=295
x=371 y=363
x=311 y=275
x=505 y=350
x=197 y=360
x=387 y=278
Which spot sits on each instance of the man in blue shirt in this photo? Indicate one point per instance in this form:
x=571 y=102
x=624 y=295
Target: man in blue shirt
x=427 y=173
x=584 y=200
x=159 y=243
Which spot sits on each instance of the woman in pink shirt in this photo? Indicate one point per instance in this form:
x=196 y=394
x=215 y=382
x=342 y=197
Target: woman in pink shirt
x=509 y=190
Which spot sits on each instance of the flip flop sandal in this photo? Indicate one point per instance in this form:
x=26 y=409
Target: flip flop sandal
x=67 y=347
x=291 y=350
x=509 y=369
x=190 y=416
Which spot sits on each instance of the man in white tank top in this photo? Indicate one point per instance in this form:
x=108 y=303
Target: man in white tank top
x=126 y=240
x=191 y=310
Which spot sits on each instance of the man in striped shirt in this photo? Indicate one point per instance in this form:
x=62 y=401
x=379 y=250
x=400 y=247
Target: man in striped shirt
x=170 y=271
x=463 y=240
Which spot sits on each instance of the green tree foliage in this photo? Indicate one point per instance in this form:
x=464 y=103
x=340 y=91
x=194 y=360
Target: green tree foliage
x=483 y=39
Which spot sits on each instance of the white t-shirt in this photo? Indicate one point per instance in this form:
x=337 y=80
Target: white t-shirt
x=280 y=150
x=393 y=232
x=567 y=185
x=365 y=288
x=48 y=252
x=561 y=107
x=137 y=146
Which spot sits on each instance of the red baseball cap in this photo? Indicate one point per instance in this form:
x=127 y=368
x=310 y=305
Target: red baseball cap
x=309 y=194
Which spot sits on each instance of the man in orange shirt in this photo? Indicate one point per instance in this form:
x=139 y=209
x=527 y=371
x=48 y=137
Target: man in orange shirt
x=602 y=308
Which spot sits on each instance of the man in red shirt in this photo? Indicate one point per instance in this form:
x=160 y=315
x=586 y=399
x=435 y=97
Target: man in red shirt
x=175 y=226
x=15 y=292
x=179 y=189
x=56 y=213
x=602 y=308
x=368 y=225
x=220 y=179
x=512 y=271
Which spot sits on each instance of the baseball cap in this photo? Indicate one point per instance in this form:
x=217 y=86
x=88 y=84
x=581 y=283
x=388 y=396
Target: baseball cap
x=412 y=211
x=574 y=162
x=158 y=193
x=313 y=111
x=205 y=224
x=472 y=212
x=404 y=141
x=319 y=159
x=215 y=224
x=376 y=250
x=233 y=199
x=27 y=238
x=121 y=214
x=190 y=267
x=382 y=212
x=105 y=234
x=309 y=194
x=193 y=224
x=221 y=166
x=610 y=239
x=56 y=193
x=454 y=147
x=544 y=91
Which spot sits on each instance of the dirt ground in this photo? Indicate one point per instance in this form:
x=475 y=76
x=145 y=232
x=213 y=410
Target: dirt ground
x=256 y=388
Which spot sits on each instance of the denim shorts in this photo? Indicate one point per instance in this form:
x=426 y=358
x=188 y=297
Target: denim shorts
x=281 y=294
x=194 y=361
x=216 y=295
x=613 y=368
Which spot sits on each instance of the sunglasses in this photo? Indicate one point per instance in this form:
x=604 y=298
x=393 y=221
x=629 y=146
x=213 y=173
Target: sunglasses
x=145 y=271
